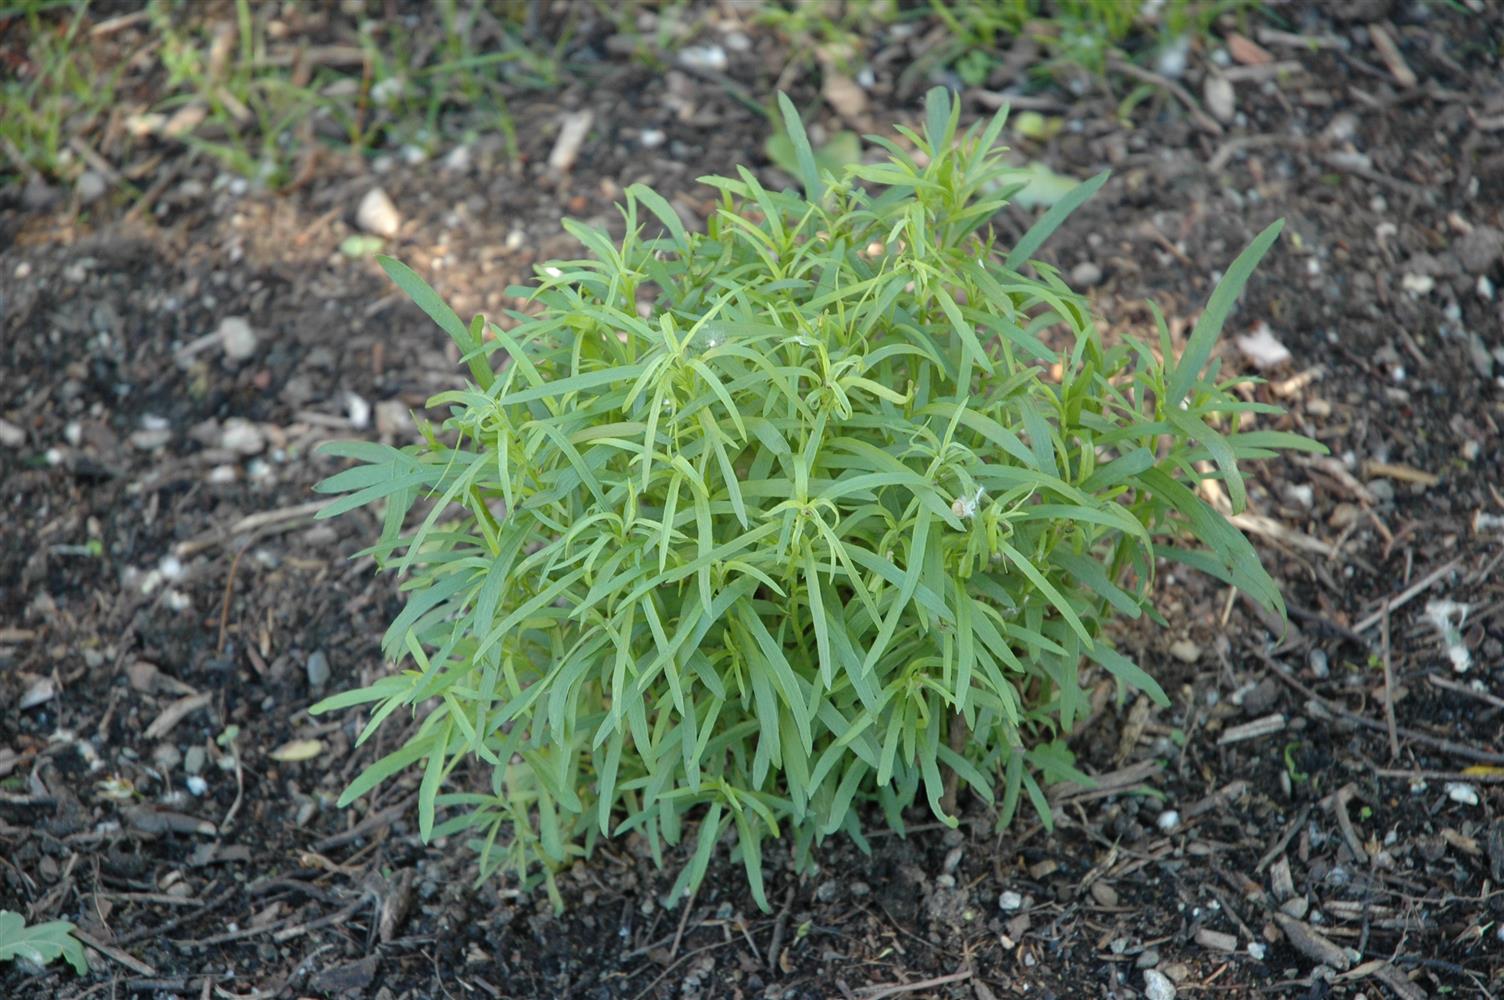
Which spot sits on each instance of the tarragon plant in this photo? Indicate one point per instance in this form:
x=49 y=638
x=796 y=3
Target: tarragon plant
x=828 y=505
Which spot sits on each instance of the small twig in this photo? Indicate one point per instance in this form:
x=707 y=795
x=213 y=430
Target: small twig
x=1339 y=803
x=137 y=966
x=1435 y=742
x=1463 y=689
x=1394 y=739
x=878 y=992
x=1203 y=120
x=159 y=929
x=224 y=608
x=689 y=904
x=1278 y=847
x=780 y=927
x=283 y=519
x=1482 y=777
x=1407 y=595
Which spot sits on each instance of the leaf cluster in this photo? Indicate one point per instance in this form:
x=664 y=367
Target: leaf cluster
x=737 y=531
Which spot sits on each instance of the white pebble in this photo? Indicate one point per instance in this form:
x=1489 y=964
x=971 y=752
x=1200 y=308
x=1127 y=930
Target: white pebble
x=704 y=57
x=377 y=215
x=1010 y=900
x=196 y=785
x=236 y=338
x=1157 y=985
x=1462 y=792
x=1168 y=821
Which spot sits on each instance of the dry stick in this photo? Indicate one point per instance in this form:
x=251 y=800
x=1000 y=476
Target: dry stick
x=1421 y=775
x=1204 y=121
x=682 y=959
x=224 y=608
x=923 y=984
x=1407 y=595
x=1436 y=742
x=129 y=961
x=1394 y=739
x=1278 y=847
x=780 y=926
x=1463 y=689
x=171 y=925
x=689 y=904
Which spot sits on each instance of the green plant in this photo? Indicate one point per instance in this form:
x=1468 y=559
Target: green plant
x=825 y=506
x=40 y=943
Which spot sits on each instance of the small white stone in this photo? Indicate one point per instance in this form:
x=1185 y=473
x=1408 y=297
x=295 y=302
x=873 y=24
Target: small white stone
x=652 y=138
x=1221 y=100
x=458 y=160
x=1010 y=900
x=89 y=187
x=359 y=411
x=710 y=58
x=1418 y=284
x=222 y=474
x=236 y=338
x=196 y=785
x=1185 y=651
x=10 y=435
x=242 y=437
x=1168 y=821
x=1463 y=793
x=1157 y=985
x=377 y=215
x=1263 y=348
x=1086 y=274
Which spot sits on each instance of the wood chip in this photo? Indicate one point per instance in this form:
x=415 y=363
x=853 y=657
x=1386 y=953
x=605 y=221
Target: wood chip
x=175 y=713
x=571 y=137
x=1281 y=881
x=1253 y=730
x=1216 y=940
x=1404 y=473
x=1246 y=51
x=1390 y=53
x=1306 y=940
x=149 y=820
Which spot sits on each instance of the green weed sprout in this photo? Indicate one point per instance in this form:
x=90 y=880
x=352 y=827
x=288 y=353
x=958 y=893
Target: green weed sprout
x=826 y=506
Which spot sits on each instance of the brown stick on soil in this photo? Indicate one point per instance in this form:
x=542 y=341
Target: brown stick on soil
x=959 y=734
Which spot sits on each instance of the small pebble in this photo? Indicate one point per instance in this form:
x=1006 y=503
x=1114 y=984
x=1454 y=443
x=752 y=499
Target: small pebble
x=1462 y=793
x=1010 y=900
x=318 y=669
x=237 y=338
x=242 y=436
x=1157 y=985
x=1147 y=959
x=1185 y=651
x=1168 y=821
x=89 y=187
x=1221 y=100
x=197 y=786
x=711 y=58
x=377 y=215
x=1086 y=275
x=193 y=760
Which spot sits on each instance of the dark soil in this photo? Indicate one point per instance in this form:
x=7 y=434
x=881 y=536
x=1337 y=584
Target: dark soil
x=167 y=604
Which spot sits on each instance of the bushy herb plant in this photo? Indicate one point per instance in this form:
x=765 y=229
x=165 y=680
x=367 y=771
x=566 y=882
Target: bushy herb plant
x=826 y=506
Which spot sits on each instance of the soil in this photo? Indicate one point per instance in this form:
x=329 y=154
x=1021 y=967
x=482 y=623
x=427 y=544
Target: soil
x=1319 y=813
